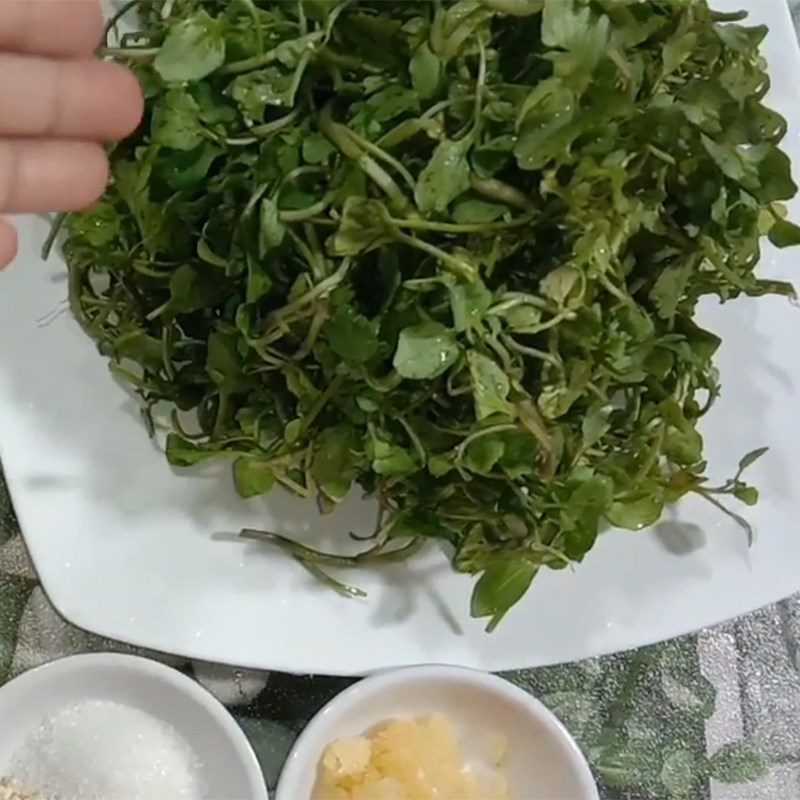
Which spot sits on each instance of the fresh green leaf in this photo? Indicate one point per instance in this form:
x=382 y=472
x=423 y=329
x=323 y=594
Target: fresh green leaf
x=390 y=459
x=425 y=69
x=183 y=453
x=252 y=477
x=635 y=514
x=425 y=351
x=471 y=211
x=484 y=453
x=176 y=121
x=271 y=230
x=363 y=228
x=499 y=588
x=224 y=364
x=255 y=91
x=351 y=335
x=194 y=48
x=490 y=386
x=783 y=233
x=100 y=225
x=469 y=302
x=750 y=458
x=445 y=176
x=334 y=466
x=317 y=149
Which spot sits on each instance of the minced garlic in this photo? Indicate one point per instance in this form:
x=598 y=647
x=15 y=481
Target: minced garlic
x=9 y=790
x=406 y=760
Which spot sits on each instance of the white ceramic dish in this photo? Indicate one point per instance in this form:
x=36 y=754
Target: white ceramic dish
x=230 y=768
x=128 y=548
x=543 y=761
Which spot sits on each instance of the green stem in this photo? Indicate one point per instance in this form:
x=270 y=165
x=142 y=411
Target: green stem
x=343 y=589
x=501 y=192
x=466 y=227
x=130 y=53
x=339 y=135
x=375 y=555
x=457 y=266
x=55 y=228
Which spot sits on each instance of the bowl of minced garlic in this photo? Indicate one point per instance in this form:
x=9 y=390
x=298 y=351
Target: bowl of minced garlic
x=419 y=758
x=438 y=733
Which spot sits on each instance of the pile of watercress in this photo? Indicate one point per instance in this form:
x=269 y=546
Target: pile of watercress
x=448 y=251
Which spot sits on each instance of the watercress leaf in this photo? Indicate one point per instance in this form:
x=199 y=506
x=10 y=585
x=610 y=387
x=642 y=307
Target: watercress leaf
x=270 y=229
x=472 y=211
x=390 y=459
x=783 y=233
x=255 y=91
x=520 y=455
x=259 y=280
x=137 y=346
x=445 y=176
x=99 y=225
x=351 y=335
x=317 y=149
x=591 y=499
x=490 y=386
x=188 y=169
x=439 y=465
x=558 y=284
x=746 y=494
x=635 y=513
x=252 y=477
x=224 y=364
x=193 y=48
x=484 y=453
x=334 y=465
x=363 y=227
x=425 y=351
x=176 y=121
x=190 y=289
x=669 y=288
x=594 y=424
x=469 y=302
x=774 y=174
x=750 y=458
x=425 y=69
x=500 y=586
x=184 y=453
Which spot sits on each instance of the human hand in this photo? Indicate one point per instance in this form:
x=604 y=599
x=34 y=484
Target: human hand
x=58 y=102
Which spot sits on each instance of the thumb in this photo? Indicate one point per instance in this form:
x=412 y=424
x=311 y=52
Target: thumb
x=8 y=242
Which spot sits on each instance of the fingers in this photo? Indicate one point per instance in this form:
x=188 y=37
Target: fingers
x=73 y=101
x=61 y=28
x=82 y=98
x=46 y=175
x=8 y=243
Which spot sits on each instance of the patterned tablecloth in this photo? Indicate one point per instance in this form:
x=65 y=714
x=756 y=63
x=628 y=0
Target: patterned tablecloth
x=713 y=715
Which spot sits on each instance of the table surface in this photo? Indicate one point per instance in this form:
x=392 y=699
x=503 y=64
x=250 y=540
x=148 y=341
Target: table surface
x=714 y=715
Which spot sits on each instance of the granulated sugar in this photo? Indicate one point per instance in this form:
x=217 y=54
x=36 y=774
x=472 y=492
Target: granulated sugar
x=107 y=751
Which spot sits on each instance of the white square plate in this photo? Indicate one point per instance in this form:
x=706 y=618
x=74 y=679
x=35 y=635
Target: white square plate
x=127 y=548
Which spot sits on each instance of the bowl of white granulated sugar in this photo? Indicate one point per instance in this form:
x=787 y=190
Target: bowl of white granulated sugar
x=115 y=727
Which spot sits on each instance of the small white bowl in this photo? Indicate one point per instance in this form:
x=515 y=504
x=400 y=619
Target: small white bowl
x=543 y=761
x=229 y=766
